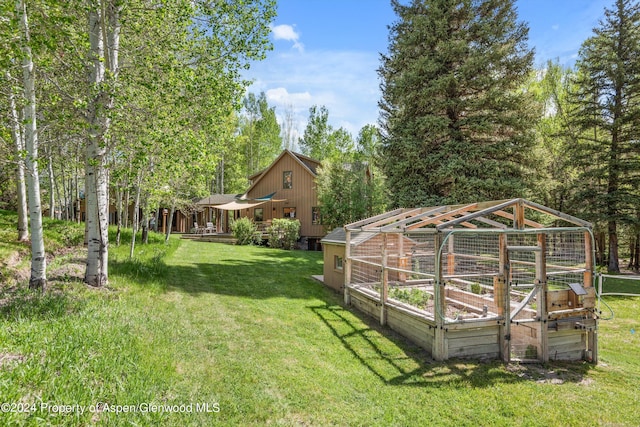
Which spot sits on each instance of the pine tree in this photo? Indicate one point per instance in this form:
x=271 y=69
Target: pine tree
x=457 y=127
x=607 y=113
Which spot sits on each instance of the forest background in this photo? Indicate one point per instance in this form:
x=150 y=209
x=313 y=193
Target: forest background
x=140 y=103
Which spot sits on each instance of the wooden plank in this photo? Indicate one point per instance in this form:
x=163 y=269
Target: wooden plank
x=494 y=224
x=568 y=356
x=473 y=341
x=421 y=335
x=438 y=218
x=365 y=305
x=472 y=324
x=393 y=220
x=553 y=212
x=528 y=222
x=399 y=225
x=454 y=334
x=488 y=351
x=355 y=225
x=411 y=321
x=567 y=347
x=476 y=214
x=577 y=337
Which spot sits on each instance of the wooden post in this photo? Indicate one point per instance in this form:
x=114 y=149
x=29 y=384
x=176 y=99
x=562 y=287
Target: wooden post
x=164 y=221
x=592 y=335
x=347 y=267
x=519 y=215
x=402 y=260
x=502 y=298
x=440 y=350
x=541 y=284
x=588 y=260
x=384 y=292
x=451 y=257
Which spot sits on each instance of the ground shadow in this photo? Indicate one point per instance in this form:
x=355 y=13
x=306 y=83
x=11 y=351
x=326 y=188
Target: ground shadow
x=19 y=303
x=410 y=365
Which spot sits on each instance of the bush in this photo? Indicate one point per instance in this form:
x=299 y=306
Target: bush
x=283 y=233
x=245 y=231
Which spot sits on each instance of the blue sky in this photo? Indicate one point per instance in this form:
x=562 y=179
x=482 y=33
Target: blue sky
x=326 y=52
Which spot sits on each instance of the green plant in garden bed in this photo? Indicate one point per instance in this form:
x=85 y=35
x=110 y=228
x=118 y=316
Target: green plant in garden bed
x=414 y=297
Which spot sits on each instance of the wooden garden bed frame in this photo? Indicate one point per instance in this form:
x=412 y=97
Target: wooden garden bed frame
x=544 y=320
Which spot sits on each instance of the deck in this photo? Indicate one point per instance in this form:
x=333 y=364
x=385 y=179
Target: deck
x=211 y=237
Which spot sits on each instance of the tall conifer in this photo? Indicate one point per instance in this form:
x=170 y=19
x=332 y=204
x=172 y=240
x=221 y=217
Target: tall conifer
x=607 y=112
x=456 y=123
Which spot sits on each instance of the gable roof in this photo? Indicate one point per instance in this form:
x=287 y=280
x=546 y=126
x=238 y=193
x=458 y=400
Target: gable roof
x=494 y=214
x=339 y=236
x=307 y=163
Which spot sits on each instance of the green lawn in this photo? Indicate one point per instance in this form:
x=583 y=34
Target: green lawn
x=246 y=330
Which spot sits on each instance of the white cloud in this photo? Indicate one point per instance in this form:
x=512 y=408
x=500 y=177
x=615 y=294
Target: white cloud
x=555 y=27
x=282 y=96
x=344 y=82
x=288 y=33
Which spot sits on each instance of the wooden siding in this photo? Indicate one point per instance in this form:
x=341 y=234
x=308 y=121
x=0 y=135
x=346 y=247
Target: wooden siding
x=302 y=195
x=332 y=277
x=481 y=342
x=567 y=345
x=477 y=343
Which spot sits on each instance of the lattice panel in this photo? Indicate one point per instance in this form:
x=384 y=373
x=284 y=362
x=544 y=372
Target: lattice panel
x=566 y=259
x=470 y=262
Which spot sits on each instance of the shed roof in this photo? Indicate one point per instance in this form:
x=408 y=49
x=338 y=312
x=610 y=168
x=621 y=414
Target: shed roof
x=500 y=214
x=339 y=236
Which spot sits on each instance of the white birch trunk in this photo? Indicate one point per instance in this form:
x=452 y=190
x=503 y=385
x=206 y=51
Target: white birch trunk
x=52 y=187
x=118 y=215
x=38 y=278
x=104 y=39
x=21 y=187
x=136 y=219
x=96 y=197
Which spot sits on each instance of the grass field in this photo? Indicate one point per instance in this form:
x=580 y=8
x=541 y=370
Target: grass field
x=246 y=334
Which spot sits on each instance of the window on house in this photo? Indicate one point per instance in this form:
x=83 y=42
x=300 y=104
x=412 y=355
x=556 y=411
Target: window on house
x=287 y=179
x=258 y=214
x=289 y=213
x=337 y=262
x=316 y=219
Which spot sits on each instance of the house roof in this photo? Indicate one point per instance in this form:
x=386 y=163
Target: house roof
x=500 y=214
x=217 y=199
x=307 y=163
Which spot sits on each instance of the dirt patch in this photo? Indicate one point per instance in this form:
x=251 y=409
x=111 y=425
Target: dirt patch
x=9 y=360
x=549 y=374
x=11 y=273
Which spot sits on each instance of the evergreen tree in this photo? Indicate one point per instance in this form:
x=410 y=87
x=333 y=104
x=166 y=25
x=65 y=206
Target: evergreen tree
x=456 y=125
x=607 y=113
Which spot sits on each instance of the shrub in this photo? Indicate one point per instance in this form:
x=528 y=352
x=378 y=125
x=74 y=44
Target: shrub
x=245 y=231
x=283 y=233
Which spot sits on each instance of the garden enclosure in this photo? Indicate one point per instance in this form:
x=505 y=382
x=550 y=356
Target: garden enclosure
x=506 y=279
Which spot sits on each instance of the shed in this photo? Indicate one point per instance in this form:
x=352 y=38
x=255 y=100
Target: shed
x=509 y=279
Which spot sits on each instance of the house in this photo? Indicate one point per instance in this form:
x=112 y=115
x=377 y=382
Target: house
x=286 y=189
